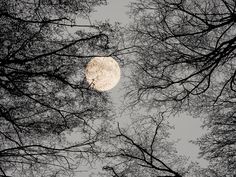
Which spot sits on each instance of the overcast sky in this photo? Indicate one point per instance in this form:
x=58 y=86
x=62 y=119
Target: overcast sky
x=115 y=11
x=186 y=127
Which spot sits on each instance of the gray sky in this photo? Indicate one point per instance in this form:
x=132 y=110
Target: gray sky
x=186 y=127
x=115 y=11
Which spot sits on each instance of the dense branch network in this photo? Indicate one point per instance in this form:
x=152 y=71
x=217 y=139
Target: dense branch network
x=185 y=60
x=184 y=50
x=42 y=89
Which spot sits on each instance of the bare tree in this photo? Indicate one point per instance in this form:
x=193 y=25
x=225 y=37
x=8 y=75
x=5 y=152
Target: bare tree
x=218 y=145
x=144 y=150
x=185 y=59
x=42 y=87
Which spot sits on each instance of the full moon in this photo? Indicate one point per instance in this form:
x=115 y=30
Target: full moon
x=102 y=73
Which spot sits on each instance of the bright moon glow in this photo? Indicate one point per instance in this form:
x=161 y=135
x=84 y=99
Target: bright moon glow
x=102 y=73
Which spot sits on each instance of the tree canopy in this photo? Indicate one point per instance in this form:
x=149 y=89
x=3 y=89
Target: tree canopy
x=185 y=59
x=42 y=86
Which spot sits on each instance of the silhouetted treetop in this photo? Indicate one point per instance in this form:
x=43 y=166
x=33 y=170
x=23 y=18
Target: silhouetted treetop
x=43 y=92
x=185 y=60
x=184 y=48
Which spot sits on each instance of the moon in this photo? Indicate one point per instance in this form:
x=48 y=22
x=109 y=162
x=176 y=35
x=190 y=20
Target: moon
x=102 y=73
